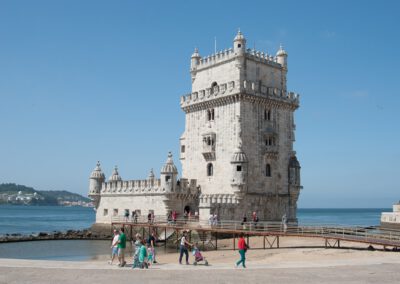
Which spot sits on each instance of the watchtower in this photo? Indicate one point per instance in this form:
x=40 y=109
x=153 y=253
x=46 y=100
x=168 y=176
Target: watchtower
x=239 y=134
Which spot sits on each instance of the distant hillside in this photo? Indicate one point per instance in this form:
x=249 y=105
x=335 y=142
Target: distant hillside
x=11 y=193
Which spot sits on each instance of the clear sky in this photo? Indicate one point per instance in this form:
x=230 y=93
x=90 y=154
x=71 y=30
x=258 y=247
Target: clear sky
x=82 y=81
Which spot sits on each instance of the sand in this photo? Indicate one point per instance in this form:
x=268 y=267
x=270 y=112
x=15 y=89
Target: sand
x=306 y=261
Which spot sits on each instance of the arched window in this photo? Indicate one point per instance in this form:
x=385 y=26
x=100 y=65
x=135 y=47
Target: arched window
x=267 y=114
x=210 y=169
x=214 y=88
x=210 y=114
x=268 y=170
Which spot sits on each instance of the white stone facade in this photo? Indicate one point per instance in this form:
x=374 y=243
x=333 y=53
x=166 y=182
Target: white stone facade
x=236 y=149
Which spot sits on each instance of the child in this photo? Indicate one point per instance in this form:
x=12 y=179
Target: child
x=143 y=256
x=150 y=254
x=138 y=244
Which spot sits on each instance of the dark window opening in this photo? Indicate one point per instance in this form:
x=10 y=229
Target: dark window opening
x=268 y=170
x=239 y=168
x=167 y=178
x=183 y=149
x=239 y=45
x=267 y=115
x=210 y=114
x=209 y=169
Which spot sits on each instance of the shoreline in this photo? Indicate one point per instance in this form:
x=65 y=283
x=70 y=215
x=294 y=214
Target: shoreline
x=283 y=265
x=85 y=234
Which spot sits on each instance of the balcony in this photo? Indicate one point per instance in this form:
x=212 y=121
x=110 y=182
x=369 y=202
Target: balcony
x=209 y=152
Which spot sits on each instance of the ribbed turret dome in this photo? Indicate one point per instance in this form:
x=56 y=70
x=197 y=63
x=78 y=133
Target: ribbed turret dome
x=281 y=51
x=239 y=36
x=195 y=53
x=115 y=175
x=169 y=167
x=239 y=156
x=97 y=173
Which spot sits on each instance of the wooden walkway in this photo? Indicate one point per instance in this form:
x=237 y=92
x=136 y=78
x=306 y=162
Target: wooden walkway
x=208 y=235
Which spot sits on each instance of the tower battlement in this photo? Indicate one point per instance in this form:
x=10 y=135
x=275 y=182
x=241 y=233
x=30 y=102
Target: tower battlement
x=246 y=86
x=228 y=54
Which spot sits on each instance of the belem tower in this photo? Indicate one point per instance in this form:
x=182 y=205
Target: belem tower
x=236 y=150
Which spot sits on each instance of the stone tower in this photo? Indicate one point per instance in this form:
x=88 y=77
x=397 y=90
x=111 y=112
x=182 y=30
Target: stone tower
x=239 y=134
x=95 y=181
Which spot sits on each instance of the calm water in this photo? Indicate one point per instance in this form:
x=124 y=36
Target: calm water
x=348 y=216
x=34 y=219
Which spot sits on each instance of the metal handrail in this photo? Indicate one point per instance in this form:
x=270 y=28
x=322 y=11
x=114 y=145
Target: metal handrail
x=354 y=233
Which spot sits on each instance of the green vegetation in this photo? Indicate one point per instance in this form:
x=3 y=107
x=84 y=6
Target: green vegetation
x=11 y=193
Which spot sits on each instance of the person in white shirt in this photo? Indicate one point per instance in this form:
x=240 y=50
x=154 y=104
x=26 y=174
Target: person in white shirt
x=184 y=248
x=114 y=247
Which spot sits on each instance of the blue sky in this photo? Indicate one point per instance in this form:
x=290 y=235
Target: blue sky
x=82 y=81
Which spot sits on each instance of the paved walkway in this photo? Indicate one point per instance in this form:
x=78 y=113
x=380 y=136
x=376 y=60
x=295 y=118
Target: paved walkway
x=386 y=270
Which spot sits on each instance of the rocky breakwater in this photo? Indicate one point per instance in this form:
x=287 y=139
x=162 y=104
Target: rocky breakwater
x=86 y=234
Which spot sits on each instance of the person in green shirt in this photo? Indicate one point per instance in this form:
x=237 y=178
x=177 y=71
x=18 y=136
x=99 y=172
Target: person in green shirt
x=121 y=247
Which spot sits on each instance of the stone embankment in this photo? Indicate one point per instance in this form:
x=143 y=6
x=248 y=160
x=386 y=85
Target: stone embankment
x=93 y=233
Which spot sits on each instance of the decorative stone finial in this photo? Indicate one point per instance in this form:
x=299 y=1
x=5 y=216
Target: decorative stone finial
x=151 y=174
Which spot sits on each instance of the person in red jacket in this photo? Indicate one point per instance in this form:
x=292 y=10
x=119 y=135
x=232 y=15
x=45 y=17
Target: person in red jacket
x=242 y=246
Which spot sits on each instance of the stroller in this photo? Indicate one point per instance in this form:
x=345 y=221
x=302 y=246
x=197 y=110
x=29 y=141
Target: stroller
x=198 y=256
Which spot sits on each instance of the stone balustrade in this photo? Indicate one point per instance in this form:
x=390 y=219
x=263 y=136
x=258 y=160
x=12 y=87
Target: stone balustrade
x=209 y=199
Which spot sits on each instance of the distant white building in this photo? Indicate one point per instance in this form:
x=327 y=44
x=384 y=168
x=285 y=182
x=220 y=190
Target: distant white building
x=392 y=219
x=236 y=150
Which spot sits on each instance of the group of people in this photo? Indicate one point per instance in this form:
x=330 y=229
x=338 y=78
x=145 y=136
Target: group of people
x=213 y=219
x=144 y=254
x=118 y=247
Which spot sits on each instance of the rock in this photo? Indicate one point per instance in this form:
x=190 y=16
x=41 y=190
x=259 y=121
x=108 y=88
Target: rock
x=371 y=248
x=42 y=234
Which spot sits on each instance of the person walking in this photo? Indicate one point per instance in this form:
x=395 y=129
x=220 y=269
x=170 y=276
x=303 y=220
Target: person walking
x=184 y=248
x=242 y=246
x=121 y=247
x=151 y=242
x=114 y=247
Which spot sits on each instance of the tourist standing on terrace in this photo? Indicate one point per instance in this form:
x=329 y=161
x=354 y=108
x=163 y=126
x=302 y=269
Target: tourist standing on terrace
x=242 y=246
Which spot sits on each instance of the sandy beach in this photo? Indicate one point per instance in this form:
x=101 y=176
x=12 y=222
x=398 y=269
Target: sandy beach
x=306 y=261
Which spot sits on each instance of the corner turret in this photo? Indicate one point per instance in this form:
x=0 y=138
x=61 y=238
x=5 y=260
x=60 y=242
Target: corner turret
x=96 y=179
x=281 y=57
x=239 y=170
x=168 y=175
x=239 y=44
x=195 y=59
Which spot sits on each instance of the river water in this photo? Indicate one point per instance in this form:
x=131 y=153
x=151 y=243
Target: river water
x=34 y=219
